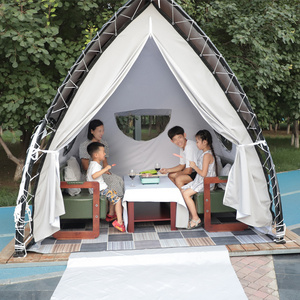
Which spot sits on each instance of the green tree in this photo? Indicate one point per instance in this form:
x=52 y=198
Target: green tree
x=40 y=41
x=261 y=42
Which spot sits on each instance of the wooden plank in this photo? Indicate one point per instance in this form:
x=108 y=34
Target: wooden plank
x=236 y=226
x=7 y=252
x=229 y=250
x=291 y=244
x=76 y=235
x=31 y=257
x=61 y=256
x=277 y=246
x=250 y=247
x=173 y=207
x=263 y=246
x=235 y=248
x=293 y=236
x=130 y=212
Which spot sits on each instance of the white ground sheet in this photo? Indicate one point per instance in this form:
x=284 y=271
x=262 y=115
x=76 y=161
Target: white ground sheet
x=165 y=191
x=174 y=273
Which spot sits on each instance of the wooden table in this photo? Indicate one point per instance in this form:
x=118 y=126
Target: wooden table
x=150 y=202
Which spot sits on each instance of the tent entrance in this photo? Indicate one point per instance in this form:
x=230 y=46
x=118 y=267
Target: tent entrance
x=151 y=87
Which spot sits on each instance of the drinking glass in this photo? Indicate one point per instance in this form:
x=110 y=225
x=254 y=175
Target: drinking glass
x=157 y=167
x=132 y=175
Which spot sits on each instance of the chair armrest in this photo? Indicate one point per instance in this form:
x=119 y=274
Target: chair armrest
x=82 y=185
x=217 y=179
x=207 y=204
x=206 y=193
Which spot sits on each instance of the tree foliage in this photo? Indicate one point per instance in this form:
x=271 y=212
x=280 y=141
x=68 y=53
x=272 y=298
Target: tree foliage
x=40 y=41
x=261 y=42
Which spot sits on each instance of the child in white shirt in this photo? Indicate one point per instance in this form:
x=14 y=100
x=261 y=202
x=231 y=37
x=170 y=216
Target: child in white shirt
x=95 y=172
x=205 y=167
x=182 y=173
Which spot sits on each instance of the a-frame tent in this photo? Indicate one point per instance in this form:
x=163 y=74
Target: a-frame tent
x=151 y=55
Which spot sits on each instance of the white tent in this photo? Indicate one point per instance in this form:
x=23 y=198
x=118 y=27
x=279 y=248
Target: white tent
x=151 y=55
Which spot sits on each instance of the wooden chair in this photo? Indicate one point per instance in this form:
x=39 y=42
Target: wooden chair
x=208 y=226
x=79 y=207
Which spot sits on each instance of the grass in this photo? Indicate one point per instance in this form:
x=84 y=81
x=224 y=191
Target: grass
x=285 y=157
x=8 y=188
x=8 y=196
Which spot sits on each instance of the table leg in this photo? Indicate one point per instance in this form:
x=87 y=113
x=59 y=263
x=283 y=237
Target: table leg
x=173 y=206
x=130 y=208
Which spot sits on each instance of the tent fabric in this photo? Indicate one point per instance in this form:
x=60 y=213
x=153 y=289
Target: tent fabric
x=157 y=87
x=77 y=116
x=194 y=77
x=251 y=188
x=200 y=87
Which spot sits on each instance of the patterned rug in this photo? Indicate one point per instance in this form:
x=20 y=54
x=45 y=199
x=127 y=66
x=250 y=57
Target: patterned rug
x=149 y=235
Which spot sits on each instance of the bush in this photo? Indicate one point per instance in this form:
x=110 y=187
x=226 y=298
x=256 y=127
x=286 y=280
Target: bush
x=8 y=197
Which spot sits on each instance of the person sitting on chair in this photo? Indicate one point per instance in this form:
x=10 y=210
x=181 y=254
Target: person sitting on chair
x=95 y=172
x=182 y=173
x=205 y=167
x=114 y=182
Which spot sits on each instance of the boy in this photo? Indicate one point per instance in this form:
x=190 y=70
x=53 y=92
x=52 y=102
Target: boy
x=95 y=172
x=182 y=173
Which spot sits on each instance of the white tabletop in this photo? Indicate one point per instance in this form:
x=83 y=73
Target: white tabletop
x=165 y=191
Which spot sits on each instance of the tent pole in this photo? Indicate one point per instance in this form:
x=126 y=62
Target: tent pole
x=280 y=226
x=20 y=231
x=20 y=247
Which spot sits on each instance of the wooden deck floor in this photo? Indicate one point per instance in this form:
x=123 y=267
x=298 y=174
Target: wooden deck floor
x=291 y=246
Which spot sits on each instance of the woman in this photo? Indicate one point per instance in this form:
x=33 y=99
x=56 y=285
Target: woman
x=114 y=182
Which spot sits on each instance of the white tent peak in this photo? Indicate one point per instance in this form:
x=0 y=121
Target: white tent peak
x=150 y=27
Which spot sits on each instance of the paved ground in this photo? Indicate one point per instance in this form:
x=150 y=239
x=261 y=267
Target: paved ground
x=262 y=277
x=39 y=289
x=257 y=276
x=287 y=269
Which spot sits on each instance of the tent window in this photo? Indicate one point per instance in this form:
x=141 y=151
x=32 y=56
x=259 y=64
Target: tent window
x=143 y=124
x=224 y=142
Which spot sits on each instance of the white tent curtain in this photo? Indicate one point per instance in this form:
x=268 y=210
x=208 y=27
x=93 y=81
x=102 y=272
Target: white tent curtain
x=48 y=198
x=201 y=88
x=247 y=190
